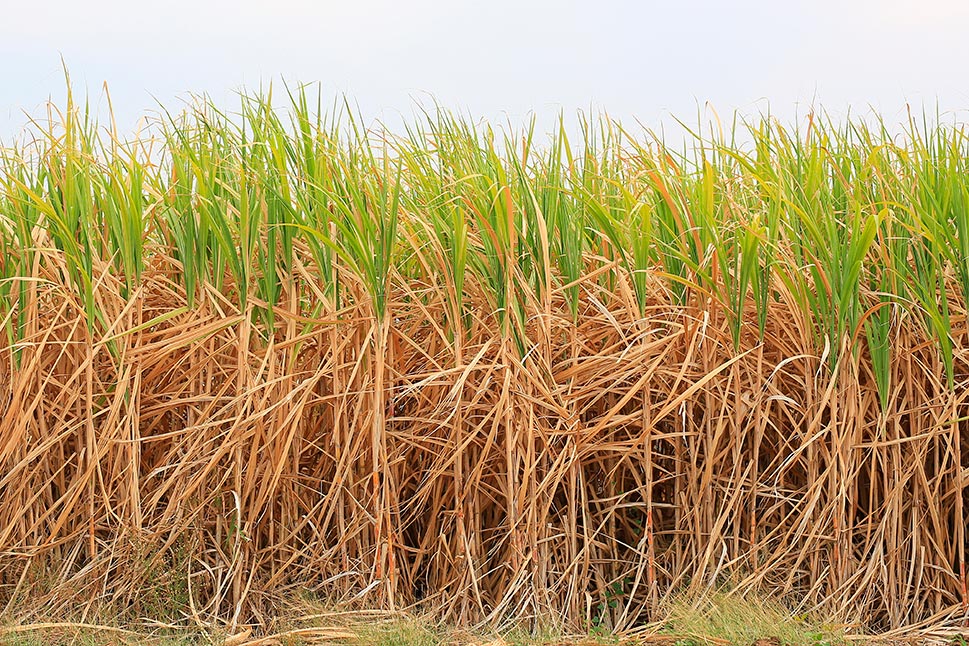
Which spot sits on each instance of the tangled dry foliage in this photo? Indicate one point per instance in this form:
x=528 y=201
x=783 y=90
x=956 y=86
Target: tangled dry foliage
x=196 y=451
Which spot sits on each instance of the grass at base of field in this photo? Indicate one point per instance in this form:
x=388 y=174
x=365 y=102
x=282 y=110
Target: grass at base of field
x=738 y=619
x=719 y=619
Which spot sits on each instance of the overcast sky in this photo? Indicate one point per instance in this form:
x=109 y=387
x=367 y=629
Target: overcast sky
x=498 y=59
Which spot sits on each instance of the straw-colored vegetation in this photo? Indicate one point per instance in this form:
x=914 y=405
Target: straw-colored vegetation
x=508 y=378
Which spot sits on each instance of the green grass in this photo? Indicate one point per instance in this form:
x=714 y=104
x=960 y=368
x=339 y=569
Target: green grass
x=741 y=620
x=853 y=221
x=405 y=632
x=91 y=637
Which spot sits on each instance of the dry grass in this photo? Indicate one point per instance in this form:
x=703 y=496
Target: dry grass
x=217 y=486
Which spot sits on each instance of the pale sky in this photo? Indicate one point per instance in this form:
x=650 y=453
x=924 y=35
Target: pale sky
x=498 y=59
